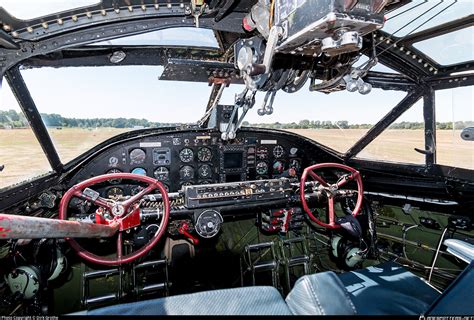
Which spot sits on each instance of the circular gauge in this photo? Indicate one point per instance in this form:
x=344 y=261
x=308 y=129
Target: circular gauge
x=167 y=188
x=208 y=223
x=262 y=153
x=293 y=151
x=161 y=173
x=139 y=171
x=295 y=164
x=204 y=154
x=186 y=155
x=278 y=167
x=278 y=151
x=186 y=173
x=114 y=181
x=261 y=168
x=137 y=156
x=205 y=171
x=114 y=193
x=184 y=184
x=113 y=161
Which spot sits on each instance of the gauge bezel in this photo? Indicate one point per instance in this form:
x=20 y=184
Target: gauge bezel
x=132 y=161
x=186 y=160
x=204 y=159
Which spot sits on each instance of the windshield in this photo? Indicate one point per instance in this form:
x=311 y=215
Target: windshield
x=84 y=106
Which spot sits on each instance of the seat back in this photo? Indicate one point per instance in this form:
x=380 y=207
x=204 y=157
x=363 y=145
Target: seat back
x=458 y=298
x=320 y=294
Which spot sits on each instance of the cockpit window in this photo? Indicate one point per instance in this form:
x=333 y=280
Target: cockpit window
x=21 y=156
x=455 y=117
x=85 y=106
x=398 y=142
x=337 y=120
x=450 y=48
x=30 y=9
x=420 y=15
x=196 y=37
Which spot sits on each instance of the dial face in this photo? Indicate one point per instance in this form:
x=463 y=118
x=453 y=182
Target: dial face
x=204 y=154
x=186 y=155
x=113 y=161
x=262 y=153
x=114 y=181
x=261 y=168
x=114 y=193
x=137 y=156
x=161 y=173
x=293 y=151
x=295 y=164
x=278 y=167
x=208 y=223
x=139 y=171
x=278 y=151
x=186 y=173
x=184 y=184
x=205 y=171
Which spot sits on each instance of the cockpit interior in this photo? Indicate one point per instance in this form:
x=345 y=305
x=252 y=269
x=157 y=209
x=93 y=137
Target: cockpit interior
x=224 y=215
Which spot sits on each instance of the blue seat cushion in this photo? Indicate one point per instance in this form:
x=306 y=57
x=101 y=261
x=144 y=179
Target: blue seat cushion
x=458 y=298
x=388 y=289
x=320 y=294
x=238 y=301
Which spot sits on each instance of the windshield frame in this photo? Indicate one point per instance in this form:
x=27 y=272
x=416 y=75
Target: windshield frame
x=74 y=41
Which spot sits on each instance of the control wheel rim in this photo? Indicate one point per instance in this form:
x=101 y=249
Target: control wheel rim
x=120 y=259
x=309 y=171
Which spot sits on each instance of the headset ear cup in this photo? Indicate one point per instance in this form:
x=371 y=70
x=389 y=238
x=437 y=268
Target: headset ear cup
x=341 y=249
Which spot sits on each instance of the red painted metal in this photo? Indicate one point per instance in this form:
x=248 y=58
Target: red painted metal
x=183 y=229
x=119 y=220
x=131 y=220
x=355 y=175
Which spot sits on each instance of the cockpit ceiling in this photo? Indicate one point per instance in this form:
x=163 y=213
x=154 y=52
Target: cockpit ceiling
x=450 y=48
x=32 y=9
x=413 y=25
x=420 y=15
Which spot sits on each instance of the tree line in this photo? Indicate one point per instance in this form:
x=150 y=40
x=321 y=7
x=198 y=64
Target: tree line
x=13 y=119
x=317 y=124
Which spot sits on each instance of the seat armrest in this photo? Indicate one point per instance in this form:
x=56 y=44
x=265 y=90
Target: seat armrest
x=460 y=249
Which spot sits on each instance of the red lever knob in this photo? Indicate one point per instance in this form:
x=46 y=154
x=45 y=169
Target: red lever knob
x=183 y=229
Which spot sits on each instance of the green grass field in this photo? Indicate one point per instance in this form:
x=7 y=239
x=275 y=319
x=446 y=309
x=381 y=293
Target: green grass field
x=23 y=157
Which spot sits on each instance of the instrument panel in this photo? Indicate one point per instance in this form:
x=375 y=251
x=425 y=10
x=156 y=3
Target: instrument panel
x=194 y=157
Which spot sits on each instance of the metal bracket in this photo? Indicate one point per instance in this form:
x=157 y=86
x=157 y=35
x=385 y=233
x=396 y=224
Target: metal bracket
x=244 y=100
x=267 y=109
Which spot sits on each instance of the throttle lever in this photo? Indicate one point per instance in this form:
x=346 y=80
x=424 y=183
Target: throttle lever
x=183 y=229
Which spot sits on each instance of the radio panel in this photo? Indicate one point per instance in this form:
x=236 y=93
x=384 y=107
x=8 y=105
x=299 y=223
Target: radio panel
x=199 y=196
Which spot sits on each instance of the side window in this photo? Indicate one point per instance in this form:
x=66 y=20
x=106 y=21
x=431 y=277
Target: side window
x=21 y=155
x=454 y=113
x=398 y=142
